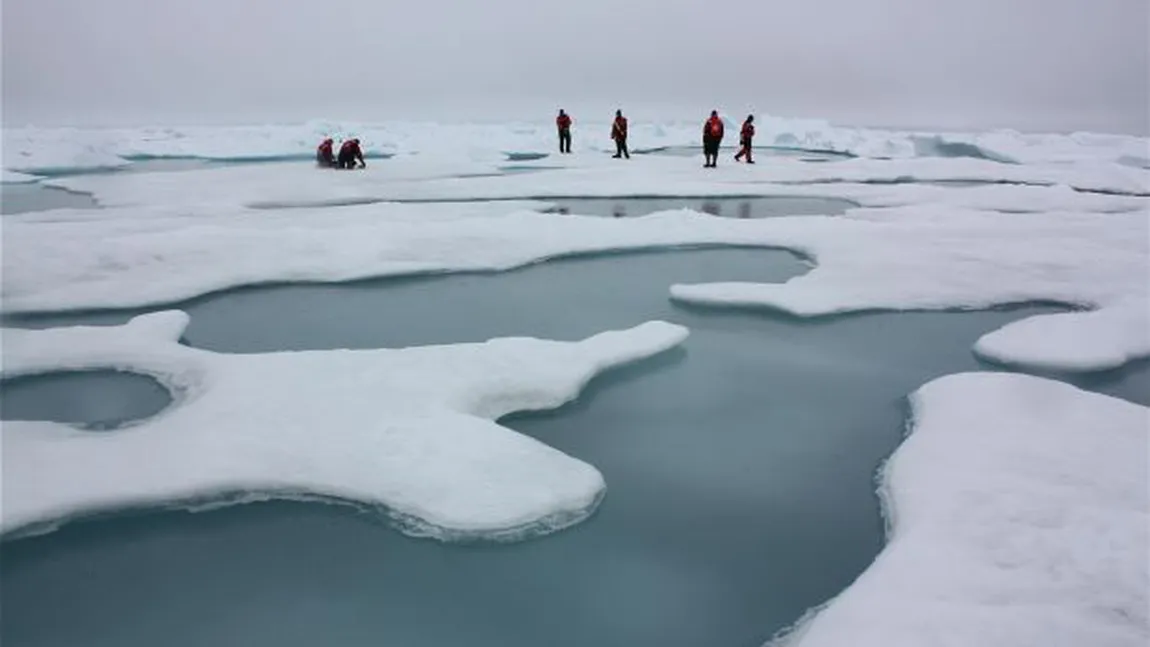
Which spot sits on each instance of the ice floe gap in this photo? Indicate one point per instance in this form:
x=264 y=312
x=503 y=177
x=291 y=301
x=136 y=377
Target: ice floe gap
x=409 y=429
x=1018 y=514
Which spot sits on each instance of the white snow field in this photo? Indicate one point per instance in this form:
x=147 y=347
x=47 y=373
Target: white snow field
x=1018 y=511
x=410 y=429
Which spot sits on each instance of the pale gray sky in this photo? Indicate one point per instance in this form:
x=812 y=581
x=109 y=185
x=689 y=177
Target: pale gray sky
x=1027 y=64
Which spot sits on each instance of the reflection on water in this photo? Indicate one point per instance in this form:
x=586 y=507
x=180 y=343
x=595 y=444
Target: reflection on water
x=737 y=207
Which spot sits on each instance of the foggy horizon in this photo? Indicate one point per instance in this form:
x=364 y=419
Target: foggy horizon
x=1032 y=65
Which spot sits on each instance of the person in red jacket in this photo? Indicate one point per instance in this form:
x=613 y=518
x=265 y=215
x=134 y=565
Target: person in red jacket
x=745 y=137
x=563 y=123
x=619 y=134
x=324 y=155
x=349 y=154
x=712 y=138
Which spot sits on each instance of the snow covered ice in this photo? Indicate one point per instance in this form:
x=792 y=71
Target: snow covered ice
x=1019 y=515
x=409 y=429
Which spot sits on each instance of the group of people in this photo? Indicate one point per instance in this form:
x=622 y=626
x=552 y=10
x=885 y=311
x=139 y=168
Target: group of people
x=712 y=137
x=349 y=154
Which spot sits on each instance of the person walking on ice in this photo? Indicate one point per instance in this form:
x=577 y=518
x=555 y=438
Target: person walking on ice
x=745 y=137
x=712 y=137
x=563 y=123
x=619 y=134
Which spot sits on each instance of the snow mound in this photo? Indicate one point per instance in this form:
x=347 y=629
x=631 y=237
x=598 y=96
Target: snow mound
x=1018 y=515
x=1074 y=341
x=412 y=430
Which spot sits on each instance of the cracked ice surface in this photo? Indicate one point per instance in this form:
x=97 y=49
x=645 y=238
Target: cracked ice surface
x=411 y=429
x=1018 y=512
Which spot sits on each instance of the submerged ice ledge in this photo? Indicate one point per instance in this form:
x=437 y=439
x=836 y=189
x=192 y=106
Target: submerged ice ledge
x=1018 y=514
x=412 y=430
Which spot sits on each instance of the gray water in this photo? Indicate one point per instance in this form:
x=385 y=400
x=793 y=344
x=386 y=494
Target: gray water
x=25 y=198
x=740 y=478
x=102 y=399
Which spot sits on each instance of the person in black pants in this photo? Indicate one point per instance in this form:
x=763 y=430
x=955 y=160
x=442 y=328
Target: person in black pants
x=619 y=134
x=746 y=135
x=563 y=123
x=712 y=139
x=349 y=154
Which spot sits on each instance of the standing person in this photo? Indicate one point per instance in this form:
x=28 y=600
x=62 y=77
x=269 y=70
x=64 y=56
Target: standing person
x=563 y=123
x=745 y=137
x=712 y=137
x=619 y=134
x=324 y=155
x=349 y=154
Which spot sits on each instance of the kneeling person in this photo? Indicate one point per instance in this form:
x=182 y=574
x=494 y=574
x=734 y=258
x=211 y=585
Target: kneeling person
x=324 y=155
x=349 y=154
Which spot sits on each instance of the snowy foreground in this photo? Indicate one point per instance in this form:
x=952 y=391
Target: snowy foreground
x=1017 y=506
x=435 y=459
x=1019 y=513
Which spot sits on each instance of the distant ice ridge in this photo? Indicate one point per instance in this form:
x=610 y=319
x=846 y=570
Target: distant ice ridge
x=50 y=150
x=410 y=429
x=1018 y=511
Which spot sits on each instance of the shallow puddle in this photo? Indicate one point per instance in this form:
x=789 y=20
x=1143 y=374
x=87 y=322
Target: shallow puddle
x=25 y=198
x=95 y=400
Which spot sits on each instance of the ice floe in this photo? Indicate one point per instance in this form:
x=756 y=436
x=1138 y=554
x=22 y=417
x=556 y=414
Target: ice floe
x=413 y=429
x=1018 y=511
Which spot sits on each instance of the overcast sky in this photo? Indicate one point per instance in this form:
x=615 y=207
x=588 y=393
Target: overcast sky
x=1027 y=64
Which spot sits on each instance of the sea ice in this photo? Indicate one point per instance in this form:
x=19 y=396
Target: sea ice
x=447 y=178
x=1085 y=341
x=1018 y=511
x=411 y=429
x=928 y=256
x=35 y=147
